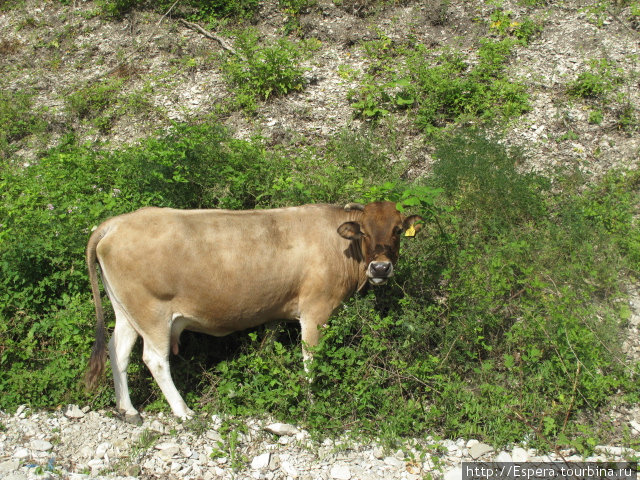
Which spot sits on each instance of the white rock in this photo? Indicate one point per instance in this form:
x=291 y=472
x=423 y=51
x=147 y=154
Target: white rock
x=281 y=429
x=213 y=435
x=616 y=451
x=453 y=474
x=166 y=446
x=393 y=462
x=519 y=454
x=16 y=476
x=261 y=461
x=41 y=445
x=378 y=452
x=101 y=450
x=157 y=426
x=21 y=453
x=289 y=469
x=9 y=466
x=635 y=427
x=168 y=453
x=503 y=457
x=480 y=449
x=73 y=411
x=340 y=472
x=472 y=442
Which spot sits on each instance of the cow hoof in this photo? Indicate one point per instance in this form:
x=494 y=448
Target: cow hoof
x=132 y=418
x=188 y=415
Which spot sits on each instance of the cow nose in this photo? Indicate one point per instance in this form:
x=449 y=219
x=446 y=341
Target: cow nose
x=380 y=269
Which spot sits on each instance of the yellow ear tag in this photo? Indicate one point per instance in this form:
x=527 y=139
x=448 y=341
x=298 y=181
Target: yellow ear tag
x=411 y=232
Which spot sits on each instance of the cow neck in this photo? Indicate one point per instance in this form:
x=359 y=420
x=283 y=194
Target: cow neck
x=358 y=254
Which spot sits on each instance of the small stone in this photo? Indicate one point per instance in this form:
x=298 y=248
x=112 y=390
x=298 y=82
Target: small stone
x=480 y=449
x=73 y=411
x=41 y=445
x=21 y=453
x=393 y=462
x=214 y=436
x=281 y=429
x=157 y=426
x=519 y=454
x=340 y=472
x=261 y=461
x=615 y=451
x=15 y=476
x=167 y=450
x=101 y=450
x=453 y=474
x=472 y=442
x=378 y=452
x=86 y=452
x=9 y=466
x=504 y=457
x=289 y=469
x=635 y=427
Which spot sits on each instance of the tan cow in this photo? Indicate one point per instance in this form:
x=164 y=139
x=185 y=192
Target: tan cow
x=220 y=271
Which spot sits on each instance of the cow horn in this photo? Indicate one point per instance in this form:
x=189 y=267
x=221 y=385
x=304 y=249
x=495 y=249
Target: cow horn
x=354 y=206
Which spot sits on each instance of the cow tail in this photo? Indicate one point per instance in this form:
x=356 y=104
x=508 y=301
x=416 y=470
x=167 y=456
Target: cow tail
x=99 y=351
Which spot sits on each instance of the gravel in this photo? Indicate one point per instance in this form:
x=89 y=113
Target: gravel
x=95 y=445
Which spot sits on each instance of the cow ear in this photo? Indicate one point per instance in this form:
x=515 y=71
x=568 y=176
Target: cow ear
x=411 y=225
x=350 y=231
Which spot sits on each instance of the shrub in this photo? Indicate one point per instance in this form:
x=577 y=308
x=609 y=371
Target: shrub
x=600 y=79
x=262 y=70
x=17 y=119
x=503 y=323
x=48 y=209
x=447 y=91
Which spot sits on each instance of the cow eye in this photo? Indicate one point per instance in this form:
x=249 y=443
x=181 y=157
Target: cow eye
x=397 y=231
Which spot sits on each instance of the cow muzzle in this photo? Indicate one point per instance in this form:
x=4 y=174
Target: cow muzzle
x=379 y=272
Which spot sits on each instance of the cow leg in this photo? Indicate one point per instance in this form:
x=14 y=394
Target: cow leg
x=156 y=357
x=120 y=346
x=311 y=323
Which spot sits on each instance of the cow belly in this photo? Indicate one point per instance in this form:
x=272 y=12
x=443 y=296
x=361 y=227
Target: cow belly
x=220 y=318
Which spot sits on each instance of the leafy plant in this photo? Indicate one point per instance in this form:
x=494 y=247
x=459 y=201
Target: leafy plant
x=597 y=82
x=260 y=71
x=18 y=120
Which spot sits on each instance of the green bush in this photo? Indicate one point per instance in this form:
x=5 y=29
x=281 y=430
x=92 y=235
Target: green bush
x=596 y=82
x=204 y=10
x=447 y=91
x=18 y=121
x=503 y=323
x=261 y=70
x=48 y=209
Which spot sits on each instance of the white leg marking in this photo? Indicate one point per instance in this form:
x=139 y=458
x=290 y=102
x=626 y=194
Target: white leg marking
x=158 y=364
x=120 y=346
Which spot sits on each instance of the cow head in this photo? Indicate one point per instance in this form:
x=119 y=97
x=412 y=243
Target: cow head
x=379 y=230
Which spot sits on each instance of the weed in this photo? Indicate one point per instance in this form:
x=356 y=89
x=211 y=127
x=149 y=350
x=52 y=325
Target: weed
x=18 y=120
x=229 y=447
x=597 y=82
x=503 y=24
x=261 y=71
x=447 y=90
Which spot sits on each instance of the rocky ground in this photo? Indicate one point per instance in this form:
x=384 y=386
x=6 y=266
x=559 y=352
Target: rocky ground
x=78 y=444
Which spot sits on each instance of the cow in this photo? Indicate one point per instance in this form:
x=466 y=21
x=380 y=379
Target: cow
x=220 y=271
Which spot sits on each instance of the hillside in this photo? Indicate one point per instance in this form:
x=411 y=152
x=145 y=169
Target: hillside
x=121 y=80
